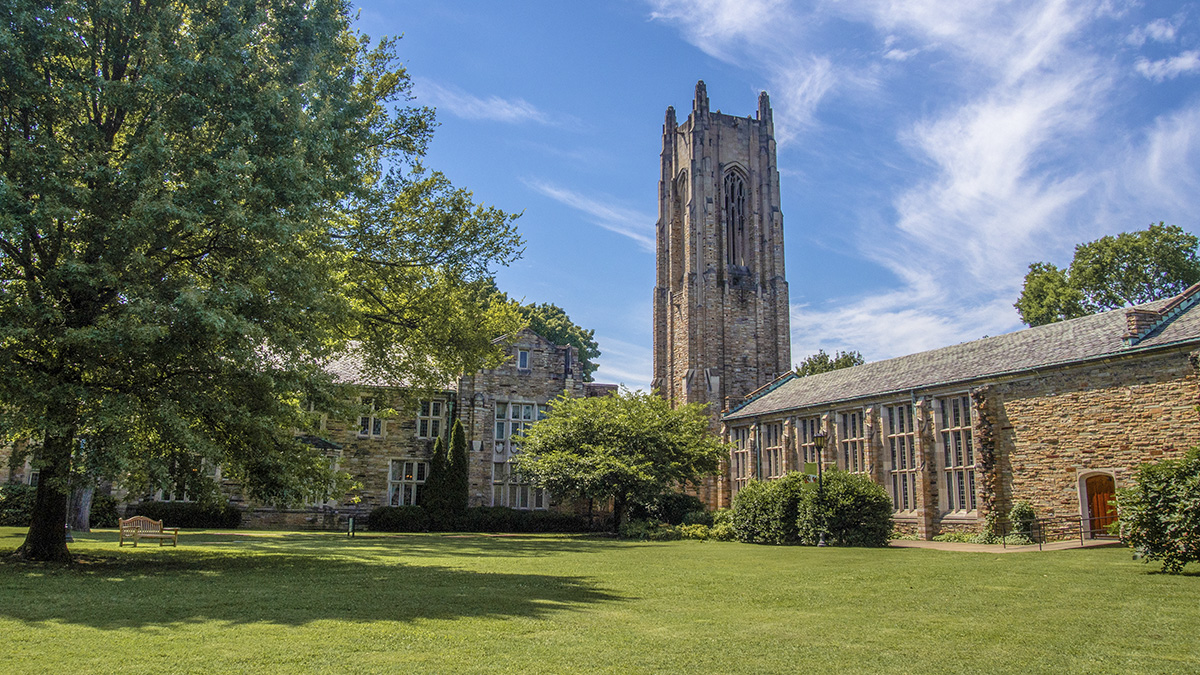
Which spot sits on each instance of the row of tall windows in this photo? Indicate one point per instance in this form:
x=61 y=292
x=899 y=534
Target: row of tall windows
x=739 y=458
x=431 y=419
x=853 y=438
x=956 y=452
x=901 y=448
x=772 y=450
x=509 y=489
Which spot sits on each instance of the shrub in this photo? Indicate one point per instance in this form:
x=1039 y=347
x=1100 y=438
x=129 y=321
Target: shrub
x=668 y=507
x=475 y=519
x=765 y=512
x=855 y=512
x=16 y=504
x=697 y=518
x=1160 y=513
x=104 y=511
x=649 y=530
x=1022 y=515
x=695 y=531
x=398 y=519
x=722 y=532
x=189 y=514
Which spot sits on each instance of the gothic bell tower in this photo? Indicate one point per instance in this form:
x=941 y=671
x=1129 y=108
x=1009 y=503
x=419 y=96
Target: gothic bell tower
x=721 y=326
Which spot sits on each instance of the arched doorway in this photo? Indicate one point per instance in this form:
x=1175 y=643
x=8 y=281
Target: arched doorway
x=1101 y=509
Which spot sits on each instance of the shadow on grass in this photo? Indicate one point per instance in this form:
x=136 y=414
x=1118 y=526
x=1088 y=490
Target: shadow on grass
x=285 y=582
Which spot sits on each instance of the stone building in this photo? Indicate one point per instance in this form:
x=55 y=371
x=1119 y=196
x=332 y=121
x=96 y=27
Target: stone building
x=1058 y=415
x=389 y=453
x=721 y=326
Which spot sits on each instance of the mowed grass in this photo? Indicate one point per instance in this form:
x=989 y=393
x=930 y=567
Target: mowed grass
x=318 y=602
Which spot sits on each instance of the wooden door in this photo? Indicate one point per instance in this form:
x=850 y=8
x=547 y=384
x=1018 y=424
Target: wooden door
x=1102 y=511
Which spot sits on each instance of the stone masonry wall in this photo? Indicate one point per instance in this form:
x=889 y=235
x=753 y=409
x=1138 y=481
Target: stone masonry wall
x=1108 y=418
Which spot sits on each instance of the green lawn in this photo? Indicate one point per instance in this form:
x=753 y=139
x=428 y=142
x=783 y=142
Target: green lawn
x=293 y=602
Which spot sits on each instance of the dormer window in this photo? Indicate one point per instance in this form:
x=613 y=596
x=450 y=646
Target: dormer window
x=522 y=359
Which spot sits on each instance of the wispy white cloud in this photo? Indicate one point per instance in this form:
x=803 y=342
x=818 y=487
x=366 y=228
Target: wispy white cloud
x=468 y=106
x=766 y=32
x=720 y=28
x=624 y=363
x=1168 y=69
x=624 y=221
x=1016 y=163
x=1159 y=30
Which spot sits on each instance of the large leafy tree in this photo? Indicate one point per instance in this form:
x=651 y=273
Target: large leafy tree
x=1131 y=268
x=628 y=447
x=200 y=202
x=823 y=363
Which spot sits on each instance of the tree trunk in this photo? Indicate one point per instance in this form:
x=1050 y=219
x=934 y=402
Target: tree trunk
x=80 y=512
x=618 y=513
x=47 y=536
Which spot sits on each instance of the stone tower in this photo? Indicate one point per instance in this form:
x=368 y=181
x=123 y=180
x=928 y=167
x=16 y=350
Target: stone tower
x=721 y=326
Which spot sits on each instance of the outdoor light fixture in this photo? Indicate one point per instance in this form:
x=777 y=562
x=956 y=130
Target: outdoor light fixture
x=819 y=441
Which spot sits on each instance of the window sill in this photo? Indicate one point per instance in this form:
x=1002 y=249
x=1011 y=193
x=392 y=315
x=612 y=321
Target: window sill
x=963 y=516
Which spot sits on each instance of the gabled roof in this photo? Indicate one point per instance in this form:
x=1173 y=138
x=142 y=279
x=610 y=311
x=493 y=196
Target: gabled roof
x=1086 y=338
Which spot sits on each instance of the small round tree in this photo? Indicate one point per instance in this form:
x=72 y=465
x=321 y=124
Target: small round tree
x=852 y=511
x=627 y=447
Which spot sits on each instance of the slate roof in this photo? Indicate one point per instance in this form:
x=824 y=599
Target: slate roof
x=349 y=369
x=1056 y=344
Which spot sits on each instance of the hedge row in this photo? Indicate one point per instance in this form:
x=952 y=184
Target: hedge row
x=16 y=504
x=477 y=519
x=189 y=514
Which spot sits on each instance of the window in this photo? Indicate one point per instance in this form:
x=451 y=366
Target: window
x=508 y=489
x=901 y=454
x=34 y=475
x=522 y=359
x=809 y=427
x=369 y=425
x=431 y=419
x=739 y=458
x=405 y=478
x=772 y=444
x=958 y=453
x=735 y=220
x=851 y=433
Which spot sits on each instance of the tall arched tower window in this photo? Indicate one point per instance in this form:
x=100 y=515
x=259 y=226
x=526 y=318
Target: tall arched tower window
x=735 y=221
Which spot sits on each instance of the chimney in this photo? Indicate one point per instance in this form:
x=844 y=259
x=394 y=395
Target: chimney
x=1138 y=322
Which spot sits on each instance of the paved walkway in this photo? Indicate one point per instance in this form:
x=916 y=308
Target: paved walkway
x=997 y=548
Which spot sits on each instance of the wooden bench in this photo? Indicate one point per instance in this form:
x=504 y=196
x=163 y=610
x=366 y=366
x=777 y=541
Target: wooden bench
x=141 y=527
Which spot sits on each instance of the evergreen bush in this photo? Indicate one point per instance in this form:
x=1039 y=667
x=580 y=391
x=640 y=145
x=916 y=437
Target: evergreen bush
x=475 y=519
x=16 y=504
x=854 y=511
x=398 y=519
x=104 y=511
x=193 y=515
x=1160 y=513
x=434 y=495
x=459 y=486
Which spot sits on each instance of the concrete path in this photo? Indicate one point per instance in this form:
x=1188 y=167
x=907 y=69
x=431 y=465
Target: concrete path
x=997 y=548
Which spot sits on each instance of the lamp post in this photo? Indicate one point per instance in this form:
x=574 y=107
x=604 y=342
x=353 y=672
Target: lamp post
x=819 y=441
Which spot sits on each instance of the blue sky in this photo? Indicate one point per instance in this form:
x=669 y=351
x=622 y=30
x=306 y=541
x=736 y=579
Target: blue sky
x=928 y=151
